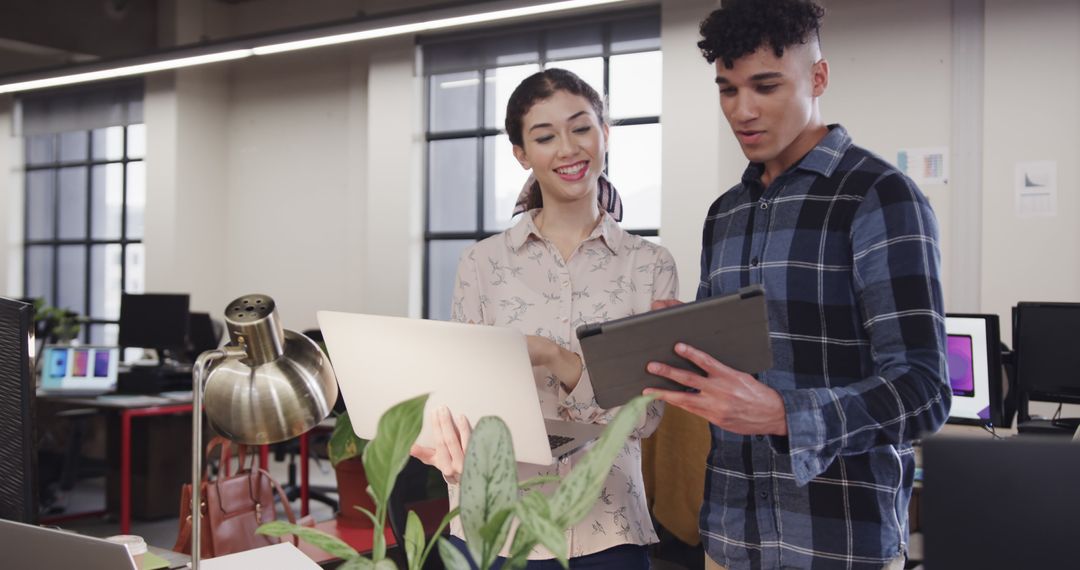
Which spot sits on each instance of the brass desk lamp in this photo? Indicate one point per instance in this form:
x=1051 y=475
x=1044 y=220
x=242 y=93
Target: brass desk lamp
x=267 y=385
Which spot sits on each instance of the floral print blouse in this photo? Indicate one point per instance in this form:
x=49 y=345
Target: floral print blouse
x=519 y=279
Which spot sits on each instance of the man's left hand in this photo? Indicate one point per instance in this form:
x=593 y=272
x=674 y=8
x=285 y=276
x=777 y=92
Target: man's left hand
x=729 y=399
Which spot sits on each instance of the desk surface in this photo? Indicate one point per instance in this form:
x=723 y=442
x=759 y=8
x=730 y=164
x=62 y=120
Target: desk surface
x=120 y=401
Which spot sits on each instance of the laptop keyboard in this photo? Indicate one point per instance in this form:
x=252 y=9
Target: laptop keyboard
x=557 y=440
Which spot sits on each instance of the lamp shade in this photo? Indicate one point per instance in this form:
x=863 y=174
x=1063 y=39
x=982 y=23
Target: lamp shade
x=281 y=388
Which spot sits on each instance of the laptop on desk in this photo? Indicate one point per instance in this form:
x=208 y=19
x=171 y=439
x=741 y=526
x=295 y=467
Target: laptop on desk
x=78 y=370
x=474 y=370
x=29 y=547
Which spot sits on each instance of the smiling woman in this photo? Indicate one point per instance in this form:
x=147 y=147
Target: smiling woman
x=473 y=176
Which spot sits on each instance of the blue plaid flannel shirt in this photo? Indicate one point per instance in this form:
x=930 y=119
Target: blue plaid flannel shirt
x=847 y=249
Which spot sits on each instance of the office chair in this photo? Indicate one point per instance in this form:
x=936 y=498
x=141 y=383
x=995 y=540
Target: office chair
x=291 y=448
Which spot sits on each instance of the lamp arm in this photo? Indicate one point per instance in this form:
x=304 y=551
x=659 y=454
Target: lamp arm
x=202 y=364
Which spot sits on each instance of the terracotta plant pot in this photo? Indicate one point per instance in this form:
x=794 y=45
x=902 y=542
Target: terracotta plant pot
x=352 y=491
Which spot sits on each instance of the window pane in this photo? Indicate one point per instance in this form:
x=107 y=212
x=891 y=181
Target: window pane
x=136 y=199
x=455 y=99
x=40 y=204
x=105 y=281
x=39 y=272
x=104 y=334
x=40 y=149
x=575 y=42
x=108 y=143
x=635 y=85
x=443 y=258
x=136 y=142
x=72 y=278
x=503 y=180
x=634 y=168
x=499 y=83
x=72 y=202
x=639 y=34
x=135 y=267
x=452 y=188
x=106 y=200
x=591 y=70
x=73 y=146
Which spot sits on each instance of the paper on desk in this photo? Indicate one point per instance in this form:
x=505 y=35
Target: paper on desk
x=283 y=556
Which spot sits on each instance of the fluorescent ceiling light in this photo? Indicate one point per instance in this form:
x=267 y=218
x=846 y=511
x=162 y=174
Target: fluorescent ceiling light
x=124 y=71
x=234 y=50
x=429 y=25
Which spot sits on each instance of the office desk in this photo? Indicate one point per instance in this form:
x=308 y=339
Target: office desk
x=129 y=407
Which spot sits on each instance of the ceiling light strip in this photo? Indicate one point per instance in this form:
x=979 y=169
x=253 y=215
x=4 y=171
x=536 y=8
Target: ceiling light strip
x=232 y=53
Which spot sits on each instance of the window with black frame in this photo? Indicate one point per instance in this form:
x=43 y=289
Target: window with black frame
x=84 y=199
x=472 y=177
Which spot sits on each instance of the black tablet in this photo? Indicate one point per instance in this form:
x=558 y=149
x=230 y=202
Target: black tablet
x=732 y=328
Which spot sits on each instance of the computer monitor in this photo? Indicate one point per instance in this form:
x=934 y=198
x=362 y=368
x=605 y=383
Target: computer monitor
x=974 y=355
x=1000 y=504
x=154 y=320
x=1046 y=342
x=18 y=454
x=201 y=334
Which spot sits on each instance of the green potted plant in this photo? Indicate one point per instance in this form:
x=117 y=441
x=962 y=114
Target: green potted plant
x=491 y=497
x=54 y=325
x=345 y=450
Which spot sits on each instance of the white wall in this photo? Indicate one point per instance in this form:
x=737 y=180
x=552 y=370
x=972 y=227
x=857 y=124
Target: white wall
x=11 y=202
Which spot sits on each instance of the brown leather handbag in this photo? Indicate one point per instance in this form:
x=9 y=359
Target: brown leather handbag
x=233 y=505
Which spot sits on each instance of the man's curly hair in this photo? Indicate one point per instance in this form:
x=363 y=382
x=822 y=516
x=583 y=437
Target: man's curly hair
x=740 y=27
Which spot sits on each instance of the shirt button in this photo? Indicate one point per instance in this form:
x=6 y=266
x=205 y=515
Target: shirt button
x=764 y=205
x=764 y=495
x=754 y=262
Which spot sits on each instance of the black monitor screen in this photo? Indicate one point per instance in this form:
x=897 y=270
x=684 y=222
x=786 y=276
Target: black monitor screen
x=1046 y=338
x=201 y=334
x=154 y=320
x=18 y=456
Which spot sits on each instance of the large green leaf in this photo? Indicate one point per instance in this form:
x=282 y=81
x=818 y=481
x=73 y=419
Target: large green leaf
x=344 y=443
x=329 y=543
x=452 y=558
x=357 y=564
x=534 y=514
x=579 y=490
x=386 y=455
x=414 y=540
x=488 y=486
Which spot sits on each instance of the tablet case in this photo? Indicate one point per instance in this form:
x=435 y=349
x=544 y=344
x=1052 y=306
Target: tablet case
x=733 y=328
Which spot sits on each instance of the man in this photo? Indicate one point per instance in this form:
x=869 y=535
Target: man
x=811 y=462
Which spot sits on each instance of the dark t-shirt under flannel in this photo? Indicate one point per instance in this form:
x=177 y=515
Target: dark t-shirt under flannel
x=847 y=249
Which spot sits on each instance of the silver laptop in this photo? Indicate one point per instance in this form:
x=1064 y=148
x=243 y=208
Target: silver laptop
x=474 y=370
x=29 y=547
x=78 y=370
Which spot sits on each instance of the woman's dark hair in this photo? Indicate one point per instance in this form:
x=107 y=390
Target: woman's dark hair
x=740 y=27
x=542 y=85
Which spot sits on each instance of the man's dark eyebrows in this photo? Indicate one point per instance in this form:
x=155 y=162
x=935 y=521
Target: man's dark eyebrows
x=721 y=80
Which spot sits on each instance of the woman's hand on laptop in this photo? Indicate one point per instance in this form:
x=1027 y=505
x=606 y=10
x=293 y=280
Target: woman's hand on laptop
x=566 y=365
x=452 y=435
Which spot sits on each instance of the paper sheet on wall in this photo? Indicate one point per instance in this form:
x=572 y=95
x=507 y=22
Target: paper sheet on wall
x=924 y=166
x=1036 y=189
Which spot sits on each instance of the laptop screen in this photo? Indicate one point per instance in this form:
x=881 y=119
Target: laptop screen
x=79 y=367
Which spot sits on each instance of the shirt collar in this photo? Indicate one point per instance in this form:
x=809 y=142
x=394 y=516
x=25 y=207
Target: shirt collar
x=608 y=231
x=823 y=159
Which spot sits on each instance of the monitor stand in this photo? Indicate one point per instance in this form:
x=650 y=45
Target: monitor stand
x=1064 y=427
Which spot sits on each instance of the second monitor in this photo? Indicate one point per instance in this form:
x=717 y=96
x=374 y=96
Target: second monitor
x=974 y=356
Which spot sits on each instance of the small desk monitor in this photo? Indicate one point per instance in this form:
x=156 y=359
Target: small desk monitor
x=79 y=369
x=154 y=320
x=974 y=356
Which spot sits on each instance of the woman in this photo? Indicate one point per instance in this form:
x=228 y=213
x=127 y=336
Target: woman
x=566 y=262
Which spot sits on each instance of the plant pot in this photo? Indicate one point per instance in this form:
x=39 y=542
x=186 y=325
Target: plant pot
x=352 y=491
